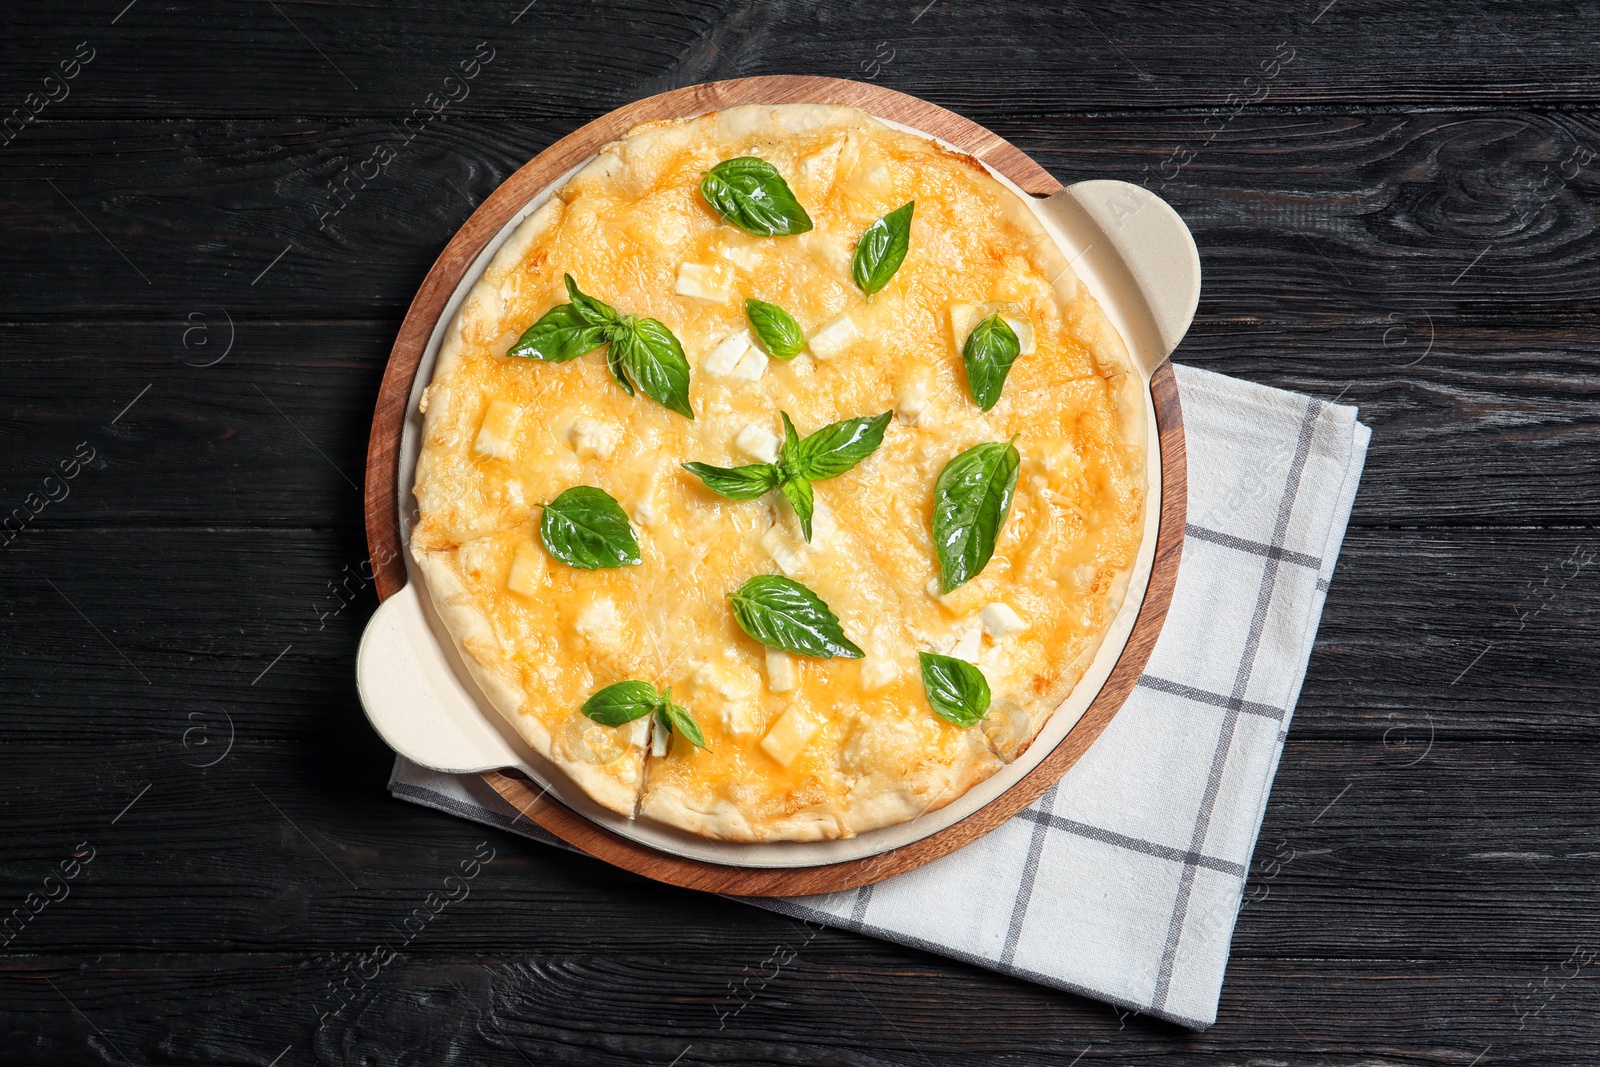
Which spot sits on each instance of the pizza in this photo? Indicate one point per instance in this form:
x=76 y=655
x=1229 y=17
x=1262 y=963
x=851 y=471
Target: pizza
x=779 y=478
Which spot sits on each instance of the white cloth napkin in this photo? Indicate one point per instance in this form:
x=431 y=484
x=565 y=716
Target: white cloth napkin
x=1123 y=882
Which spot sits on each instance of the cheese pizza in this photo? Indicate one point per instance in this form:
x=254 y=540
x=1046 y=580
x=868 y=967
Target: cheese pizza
x=779 y=478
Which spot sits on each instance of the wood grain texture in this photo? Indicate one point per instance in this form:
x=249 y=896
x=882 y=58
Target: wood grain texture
x=1300 y=216
x=383 y=491
x=1392 y=186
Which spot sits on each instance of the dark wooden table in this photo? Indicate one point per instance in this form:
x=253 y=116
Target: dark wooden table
x=214 y=217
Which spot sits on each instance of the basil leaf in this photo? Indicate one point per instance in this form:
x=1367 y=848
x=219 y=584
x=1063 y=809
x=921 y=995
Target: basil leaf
x=970 y=501
x=621 y=703
x=780 y=334
x=785 y=614
x=991 y=348
x=562 y=333
x=882 y=248
x=752 y=195
x=647 y=353
x=797 y=491
x=738 y=483
x=592 y=310
x=585 y=527
x=789 y=453
x=957 y=690
x=680 y=722
x=614 y=365
x=836 y=448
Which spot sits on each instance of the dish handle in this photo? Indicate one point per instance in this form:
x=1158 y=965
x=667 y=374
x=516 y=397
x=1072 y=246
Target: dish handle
x=1142 y=253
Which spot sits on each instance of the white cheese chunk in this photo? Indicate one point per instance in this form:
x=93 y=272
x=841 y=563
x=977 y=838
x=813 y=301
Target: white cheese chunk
x=599 y=624
x=529 y=570
x=1001 y=621
x=703 y=281
x=912 y=399
x=593 y=438
x=751 y=366
x=789 y=735
x=498 y=430
x=722 y=359
x=968 y=645
x=781 y=673
x=877 y=672
x=730 y=690
x=741 y=256
x=638 y=731
x=1023 y=328
x=659 y=736
x=834 y=336
x=757 y=443
x=789 y=555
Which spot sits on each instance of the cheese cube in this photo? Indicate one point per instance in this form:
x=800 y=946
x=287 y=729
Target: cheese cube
x=722 y=359
x=1023 y=328
x=751 y=366
x=1001 y=621
x=789 y=556
x=638 y=731
x=781 y=673
x=659 y=736
x=529 y=570
x=913 y=398
x=834 y=336
x=498 y=430
x=877 y=672
x=789 y=735
x=593 y=439
x=703 y=281
x=968 y=645
x=757 y=443
x=599 y=624
x=742 y=256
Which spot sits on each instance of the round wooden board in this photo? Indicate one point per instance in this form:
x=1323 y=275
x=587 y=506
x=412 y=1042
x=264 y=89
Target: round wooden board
x=383 y=455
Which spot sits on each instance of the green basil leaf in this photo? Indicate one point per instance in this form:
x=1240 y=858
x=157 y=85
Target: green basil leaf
x=752 y=195
x=970 y=501
x=562 y=333
x=648 y=354
x=836 y=448
x=621 y=703
x=680 y=722
x=780 y=334
x=585 y=527
x=797 y=491
x=789 y=453
x=738 y=483
x=785 y=614
x=957 y=690
x=882 y=249
x=991 y=348
x=614 y=365
x=592 y=310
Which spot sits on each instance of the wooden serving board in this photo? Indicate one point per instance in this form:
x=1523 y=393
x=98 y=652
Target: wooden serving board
x=383 y=455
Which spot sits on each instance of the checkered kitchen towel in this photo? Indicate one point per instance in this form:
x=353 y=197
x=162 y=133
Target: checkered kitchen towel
x=1129 y=873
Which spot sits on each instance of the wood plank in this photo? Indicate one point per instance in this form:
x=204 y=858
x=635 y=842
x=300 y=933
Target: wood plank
x=820 y=1007
x=1300 y=217
x=987 y=60
x=1458 y=851
x=1486 y=424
